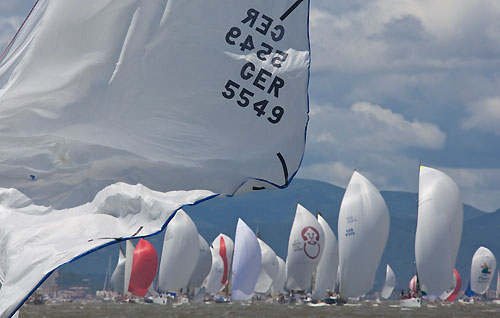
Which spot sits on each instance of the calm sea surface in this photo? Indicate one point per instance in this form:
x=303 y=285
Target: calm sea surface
x=365 y=309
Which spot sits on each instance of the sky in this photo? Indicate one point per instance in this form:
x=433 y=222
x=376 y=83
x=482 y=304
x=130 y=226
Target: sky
x=395 y=84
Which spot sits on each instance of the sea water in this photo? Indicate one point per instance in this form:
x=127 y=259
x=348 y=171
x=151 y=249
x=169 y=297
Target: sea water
x=257 y=309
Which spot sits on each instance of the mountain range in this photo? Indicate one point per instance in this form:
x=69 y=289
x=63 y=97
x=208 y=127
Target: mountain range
x=271 y=213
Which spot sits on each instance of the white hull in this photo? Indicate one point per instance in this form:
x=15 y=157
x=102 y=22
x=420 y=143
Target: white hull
x=411 y=302
x=160 y=301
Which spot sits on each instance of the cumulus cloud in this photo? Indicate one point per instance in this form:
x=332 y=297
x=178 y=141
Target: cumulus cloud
x=484 y=115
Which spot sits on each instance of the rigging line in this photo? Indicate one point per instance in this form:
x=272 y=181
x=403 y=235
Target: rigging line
x=293 y=7
x=17 y=33
x=285 y=169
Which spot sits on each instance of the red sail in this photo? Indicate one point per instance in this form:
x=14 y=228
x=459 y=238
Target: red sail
x=458 y=285
x=223 y=254
x=144 y=268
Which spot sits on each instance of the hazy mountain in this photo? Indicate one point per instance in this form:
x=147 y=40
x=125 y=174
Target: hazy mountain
x=272 y=213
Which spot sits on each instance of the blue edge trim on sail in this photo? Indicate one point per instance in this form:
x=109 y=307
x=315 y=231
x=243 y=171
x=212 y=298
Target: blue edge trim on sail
x=287 y=182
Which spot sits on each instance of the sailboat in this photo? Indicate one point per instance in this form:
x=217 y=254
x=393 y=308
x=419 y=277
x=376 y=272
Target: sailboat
x=180 y=253
x=144 y=266
x=497 y=291
x=305 y=246
x=440 y=219
x=389 y=284
x=269 y=269
x=118 y=276
x=451 y=294
x=482 y=270
x=363 y=229
x=246 y=262
x=326 y=272
x=115 y=114
x=222 y=253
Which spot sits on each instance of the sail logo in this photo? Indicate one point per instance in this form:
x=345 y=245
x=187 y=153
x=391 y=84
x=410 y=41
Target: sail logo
x=485 y=274
x=310 y=236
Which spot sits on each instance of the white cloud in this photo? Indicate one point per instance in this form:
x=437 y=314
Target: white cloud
x=484 y=115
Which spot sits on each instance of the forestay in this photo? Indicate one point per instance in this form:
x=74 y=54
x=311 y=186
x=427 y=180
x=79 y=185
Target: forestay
x=363 y=230
x=180 y=253
x=174 y=95
x=439 y=230
x=389 y=284
x=326 y=273
x=246 y=262
x=269 y=268
x=305 y=246
x=482 y=270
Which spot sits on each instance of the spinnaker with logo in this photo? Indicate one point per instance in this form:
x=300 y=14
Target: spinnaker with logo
x=439 y=230
x=482 y=270
x=305 y=246
x=363 y=229
x=115 y=114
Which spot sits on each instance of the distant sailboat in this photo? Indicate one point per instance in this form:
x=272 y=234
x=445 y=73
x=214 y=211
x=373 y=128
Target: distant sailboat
x=95 y=93
x=280 y=280
x=363 y=229
x=497 y=291
x=305 y=246
x=144 y=266
x=246 y=262
x=118 y=276
x=269 y=269
x=389 y=284
x=180 y=253
x=482 y=270
x=326 y=272
x=129 y=259
x=439 y=230
x=222 y=254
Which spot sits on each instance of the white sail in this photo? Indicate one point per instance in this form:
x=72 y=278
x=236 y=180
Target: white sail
x=153 y=92
x=363 y=230
x=181 y=249
x=269 y=268
x=389 y=284
x=118 y=276
x=279 y=283
x=224 y=246
x=326 y=273
x=129 y=259
x=212 y=282
x=305 y=247
x=482 y=270
x=203 y=264
x=439 y=230
x=246 y=262
x=497 y=291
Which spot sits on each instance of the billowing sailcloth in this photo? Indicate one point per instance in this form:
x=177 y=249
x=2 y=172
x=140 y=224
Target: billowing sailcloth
x=280 y=280
x=439 y=230
x=174 y=95
x=224 y=246
x=213 y=280
x=389 y=284
x=269 y=268
x=305 y=247
x=181 y=249
x=118 y=276
x=363 y=230
x=326 y=273
x=203 y=265
x=246 y=262
x=144 y=268
x=452 y=293
x=482 y=270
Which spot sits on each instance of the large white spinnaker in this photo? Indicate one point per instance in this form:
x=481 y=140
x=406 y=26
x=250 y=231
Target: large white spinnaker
x=246 y=262
x=305 y=247
x=326 y=273
x=224 y=246
x=363 y=230
x=389 y=284
x=279 y=283
x=203 y=265
x=118 y=276
x=439 y=230
x=269 y=268
x=174 y=95
x=181 y=249
x=482 y=270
